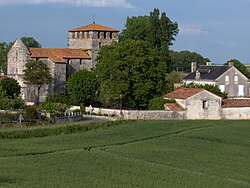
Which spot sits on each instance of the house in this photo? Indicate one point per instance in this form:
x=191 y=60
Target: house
x=84 y=44
x=198 y=103
x=226 y=77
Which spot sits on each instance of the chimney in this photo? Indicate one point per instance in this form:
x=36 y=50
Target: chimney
x=193 y=66
x=230 y=63
x=197 y=75
x=209 y=63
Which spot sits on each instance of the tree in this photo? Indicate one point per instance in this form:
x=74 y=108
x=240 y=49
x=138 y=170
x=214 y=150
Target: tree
x=38 y=74
x=30 y=42
x=157 y=29
x=82 y=87
x=241 y=67
x=131 y=69
x=11 y=86
x=181 y=61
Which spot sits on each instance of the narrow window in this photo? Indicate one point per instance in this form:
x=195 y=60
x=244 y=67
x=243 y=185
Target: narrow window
x=100 y=44
x=227 y=79
x=236 y=79
x=205 y=104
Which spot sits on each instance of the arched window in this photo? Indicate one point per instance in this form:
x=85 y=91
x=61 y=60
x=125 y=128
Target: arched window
x=227 y=79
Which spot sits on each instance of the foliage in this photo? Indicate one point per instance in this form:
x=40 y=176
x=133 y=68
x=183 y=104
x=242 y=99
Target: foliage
x=158 y=103
x=37 y=73
x=11 y=86
x=131 y=69
x=211 y=88
x=241 y=67
x=55 y=107
x=4 y=49
x=9 y=103
x=181 y=61
x=30 y=42
x=151 y=153
x=8 y=117
x=82 y=87
x=57 y=98
x=156 y=29
x=30 y=112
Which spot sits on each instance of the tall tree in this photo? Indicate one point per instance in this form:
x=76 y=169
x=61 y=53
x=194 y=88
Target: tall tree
x=131 y=69
x=157 y=29
x=38 y=74
x=82 y=87
x=241 y=67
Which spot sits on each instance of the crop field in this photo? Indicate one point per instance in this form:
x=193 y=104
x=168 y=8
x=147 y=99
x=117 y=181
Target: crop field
x=133 y=154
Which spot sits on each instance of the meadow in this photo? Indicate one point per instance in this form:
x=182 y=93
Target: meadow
x=132 y=154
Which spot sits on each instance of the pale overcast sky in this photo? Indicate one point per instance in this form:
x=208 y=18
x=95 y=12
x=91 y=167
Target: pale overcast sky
x=217 y=29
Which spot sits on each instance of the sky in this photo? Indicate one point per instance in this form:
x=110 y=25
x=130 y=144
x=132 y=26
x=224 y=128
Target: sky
x=216 y=29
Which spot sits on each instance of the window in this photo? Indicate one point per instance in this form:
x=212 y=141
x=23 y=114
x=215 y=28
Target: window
x=205 y=104
x=241 y=90
x=227 y=79
x=236 y=79
x=100 y=44
x=222 y=88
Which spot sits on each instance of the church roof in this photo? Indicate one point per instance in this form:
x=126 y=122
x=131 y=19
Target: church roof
x=209 y=72
x=94 y=27
x=183 y=93
x=58 y=55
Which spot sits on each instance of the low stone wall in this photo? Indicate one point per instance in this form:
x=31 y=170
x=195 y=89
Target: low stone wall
x=140 y=114
x=235 y=113
x=68 y=119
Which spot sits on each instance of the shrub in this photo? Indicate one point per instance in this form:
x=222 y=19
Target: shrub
x=57 y=98
x=31 y=112
x=158 y=103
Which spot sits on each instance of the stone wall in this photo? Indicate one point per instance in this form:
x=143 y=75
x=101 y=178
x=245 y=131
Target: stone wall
x=141 y=114
x=235 y=113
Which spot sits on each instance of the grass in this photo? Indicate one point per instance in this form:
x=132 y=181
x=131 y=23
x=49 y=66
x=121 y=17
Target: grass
x=133 y=154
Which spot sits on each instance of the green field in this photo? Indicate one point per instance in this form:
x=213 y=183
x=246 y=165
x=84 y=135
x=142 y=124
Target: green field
x=133 y=154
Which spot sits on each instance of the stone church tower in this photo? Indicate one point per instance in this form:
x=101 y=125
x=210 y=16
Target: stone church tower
x=91 y=37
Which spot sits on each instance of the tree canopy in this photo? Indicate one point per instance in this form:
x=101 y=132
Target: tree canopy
x=156 y=29
x=131 y=69
x=181 y=61
x=82 y=87
x=11 y=87
x=38 y=74
x=241 y=67
x=30 y=42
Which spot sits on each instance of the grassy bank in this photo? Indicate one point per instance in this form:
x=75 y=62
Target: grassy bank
x=132 y=154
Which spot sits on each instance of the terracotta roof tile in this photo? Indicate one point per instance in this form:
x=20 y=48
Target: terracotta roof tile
x=230 y=103
x=94 y=27
x=183 y=93
x=173 y=107
x=247 y=96
x=58 y=55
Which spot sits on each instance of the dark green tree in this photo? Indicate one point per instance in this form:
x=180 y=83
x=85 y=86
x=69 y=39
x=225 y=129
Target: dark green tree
x=241 y=67
x=11 y=86
x=4 y=49
x=131 y=69
x=82 y=87
x=181 y=61
x=37 y=74
x=30 y=42
x=157 y=29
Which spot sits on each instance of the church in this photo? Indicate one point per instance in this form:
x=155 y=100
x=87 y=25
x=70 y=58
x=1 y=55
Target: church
x=84 y=44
